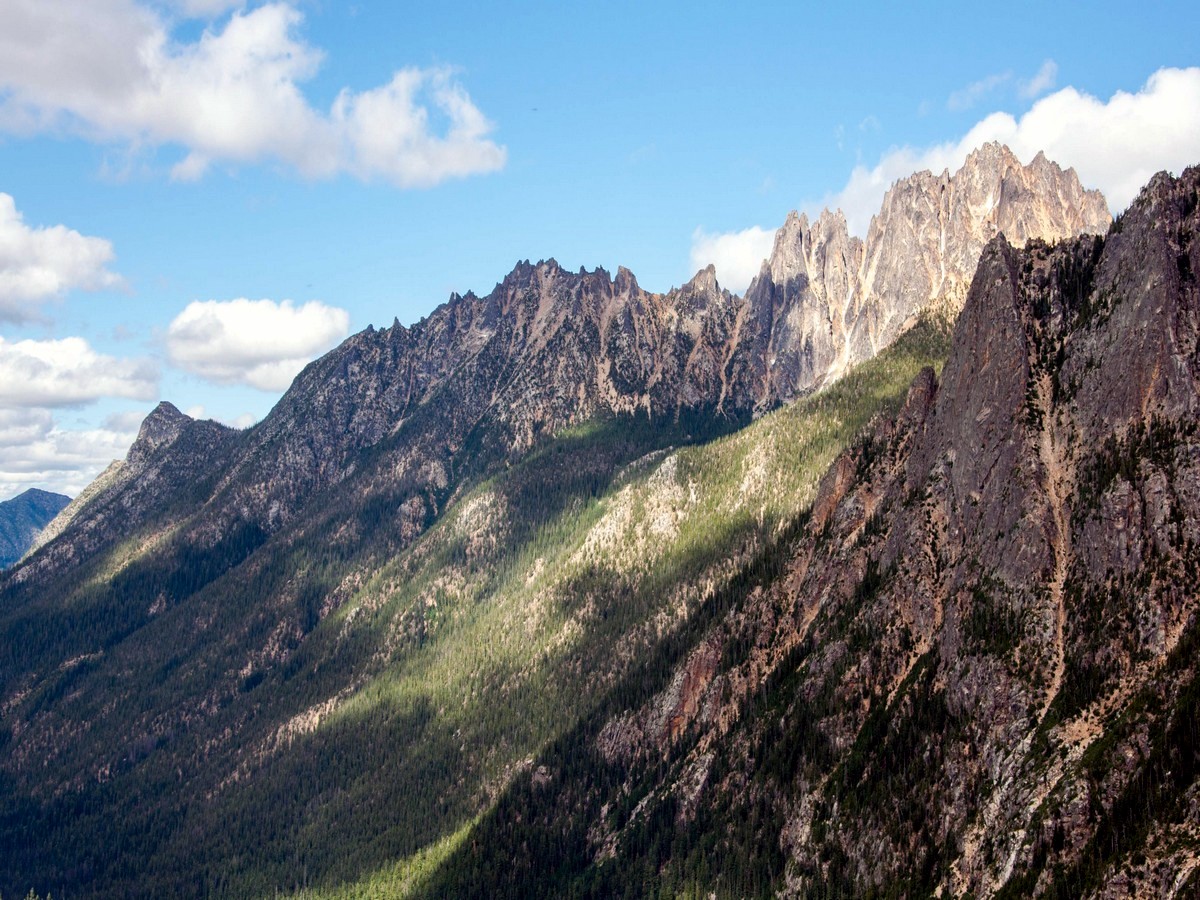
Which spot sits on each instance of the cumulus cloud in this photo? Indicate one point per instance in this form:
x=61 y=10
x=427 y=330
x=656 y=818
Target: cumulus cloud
x=111 y=70
x=36 y=452
x=737 y=255
x=68 y=372
x=23 y=426
x=259 y=343
x=1115 y=145
x=40 y=263
x=129 y=421
x=384 y=131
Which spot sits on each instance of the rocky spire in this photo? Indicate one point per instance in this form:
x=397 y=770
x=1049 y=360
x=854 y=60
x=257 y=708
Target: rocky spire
x=826 y=300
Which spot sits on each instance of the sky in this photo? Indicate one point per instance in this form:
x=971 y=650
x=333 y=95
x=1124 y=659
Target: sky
x=199 y=196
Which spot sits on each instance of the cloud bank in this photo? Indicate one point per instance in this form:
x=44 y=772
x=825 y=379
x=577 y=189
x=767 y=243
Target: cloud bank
x=39 y=263
x=259 y=343
x=110 y=70
x=36 y=452
x=68 y=372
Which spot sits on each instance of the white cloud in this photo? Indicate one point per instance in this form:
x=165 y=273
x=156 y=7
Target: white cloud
x=738 y=255
x=128 y=421
x=68 y=372
x=260 y=343
x=385 y=131
x=1115 y=145
x=1028 y=88
x=1040 y=82
x=39 y=263
x=23 y=426
x=36 y=452
x=110 y=70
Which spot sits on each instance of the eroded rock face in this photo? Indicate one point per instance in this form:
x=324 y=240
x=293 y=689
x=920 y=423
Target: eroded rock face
x=980 y=659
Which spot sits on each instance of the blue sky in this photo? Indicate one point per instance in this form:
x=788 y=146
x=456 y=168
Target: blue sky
x=176 y=171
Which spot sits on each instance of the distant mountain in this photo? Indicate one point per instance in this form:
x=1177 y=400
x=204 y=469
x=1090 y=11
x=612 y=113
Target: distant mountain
x=320 y=652
x=22 y=518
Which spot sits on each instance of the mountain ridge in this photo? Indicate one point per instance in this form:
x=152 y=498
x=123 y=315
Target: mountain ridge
x=547 y=349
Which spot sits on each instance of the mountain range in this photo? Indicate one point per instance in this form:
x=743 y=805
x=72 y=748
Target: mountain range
x=873 y=581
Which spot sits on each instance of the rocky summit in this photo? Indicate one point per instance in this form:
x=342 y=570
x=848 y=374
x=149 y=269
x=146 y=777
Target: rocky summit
x=826 y=300
x=876 y=581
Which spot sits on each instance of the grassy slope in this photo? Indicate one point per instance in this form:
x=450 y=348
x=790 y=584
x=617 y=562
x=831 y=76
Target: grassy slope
x=520 y=639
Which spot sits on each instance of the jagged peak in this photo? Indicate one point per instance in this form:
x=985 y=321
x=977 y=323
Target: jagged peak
x=1163 y=185
x=704 y=280
x=790 y=234
x=794 y=223
x=626 y=282
x=525 y=272
x=990 y=154
x=165 y=412
x=161 y=427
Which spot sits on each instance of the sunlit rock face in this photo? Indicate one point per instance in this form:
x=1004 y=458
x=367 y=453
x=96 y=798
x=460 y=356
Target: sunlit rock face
x=826 y=300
